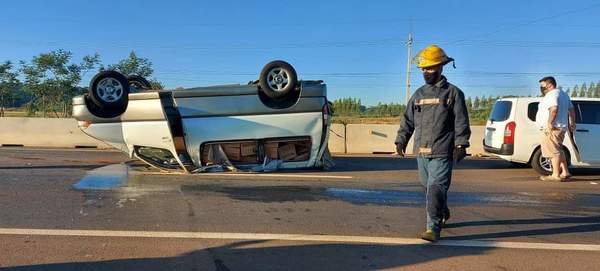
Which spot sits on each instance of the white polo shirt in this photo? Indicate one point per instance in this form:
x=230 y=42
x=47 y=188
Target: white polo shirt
x=553 y=98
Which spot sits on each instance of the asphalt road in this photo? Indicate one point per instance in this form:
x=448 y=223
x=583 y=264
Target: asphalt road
x=96 y=210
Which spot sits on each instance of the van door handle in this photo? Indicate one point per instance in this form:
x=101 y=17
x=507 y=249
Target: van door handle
x=582 y=130
x=491 y=129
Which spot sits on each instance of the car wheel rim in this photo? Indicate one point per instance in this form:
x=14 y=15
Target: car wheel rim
x=546 y=164
x=278 y=79
x=109 y=90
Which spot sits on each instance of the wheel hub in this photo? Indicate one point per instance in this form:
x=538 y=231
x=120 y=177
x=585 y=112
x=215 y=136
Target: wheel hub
x=109 y=90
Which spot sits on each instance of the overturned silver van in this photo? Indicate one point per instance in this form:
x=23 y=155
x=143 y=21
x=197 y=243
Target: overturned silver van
x=276 y=118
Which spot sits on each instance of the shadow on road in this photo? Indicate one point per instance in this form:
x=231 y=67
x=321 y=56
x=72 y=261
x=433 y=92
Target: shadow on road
x=389 y=163
x=588 y=224
x=261 y=255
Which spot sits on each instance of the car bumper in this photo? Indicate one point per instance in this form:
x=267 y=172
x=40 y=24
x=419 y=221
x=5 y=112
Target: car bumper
x=505 y=149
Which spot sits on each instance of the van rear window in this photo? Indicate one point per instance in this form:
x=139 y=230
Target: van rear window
x=501 y=111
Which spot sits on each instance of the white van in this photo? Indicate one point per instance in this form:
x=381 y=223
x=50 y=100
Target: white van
x=277 y=117
x=512 y=134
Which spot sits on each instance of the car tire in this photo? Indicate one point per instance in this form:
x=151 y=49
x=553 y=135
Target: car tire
x=109 y=91
x=138 y=83
x=543 y=165
x=540 y=164
x=278 y=80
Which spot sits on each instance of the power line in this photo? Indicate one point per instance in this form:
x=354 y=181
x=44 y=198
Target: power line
x=359 y=21
x=305 y=45
x=527 y=23
x=382 y=74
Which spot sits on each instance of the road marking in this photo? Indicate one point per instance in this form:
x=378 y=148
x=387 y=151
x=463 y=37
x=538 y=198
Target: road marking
x=280 y=175
x=307 y=176
x=298 y=237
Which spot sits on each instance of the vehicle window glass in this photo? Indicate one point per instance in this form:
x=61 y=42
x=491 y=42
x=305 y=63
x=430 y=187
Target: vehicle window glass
x=501 y=111
x=532 y=110
x=588 y=113
x=161 y=157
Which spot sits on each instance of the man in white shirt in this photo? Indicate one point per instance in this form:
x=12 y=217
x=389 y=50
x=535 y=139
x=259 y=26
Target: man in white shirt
x=555 y=116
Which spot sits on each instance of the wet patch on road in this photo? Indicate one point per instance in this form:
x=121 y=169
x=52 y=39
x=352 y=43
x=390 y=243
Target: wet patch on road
x=116 y=183
x=121 y=182
x=382 y=197
x=104 y=178
x=265 y=194
x=411 y=198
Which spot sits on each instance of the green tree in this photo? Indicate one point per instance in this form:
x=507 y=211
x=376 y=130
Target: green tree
x=133 y=65
x=591 y=90
x=8 y=82
x=138 y=66
x=476 y=103
x=575 y=92
x=52 y=80
x=583 y=90
x=469 y=103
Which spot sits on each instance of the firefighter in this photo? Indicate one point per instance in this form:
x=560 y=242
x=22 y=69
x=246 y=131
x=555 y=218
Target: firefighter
x=437 y=116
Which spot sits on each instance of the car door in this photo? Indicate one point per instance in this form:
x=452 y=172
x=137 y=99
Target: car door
x=147 y=126
x=588 y=130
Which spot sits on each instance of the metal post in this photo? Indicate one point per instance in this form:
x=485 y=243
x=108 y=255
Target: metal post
x=409 y=44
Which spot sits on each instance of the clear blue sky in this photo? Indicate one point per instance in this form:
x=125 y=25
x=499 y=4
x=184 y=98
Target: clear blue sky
x=356 y=47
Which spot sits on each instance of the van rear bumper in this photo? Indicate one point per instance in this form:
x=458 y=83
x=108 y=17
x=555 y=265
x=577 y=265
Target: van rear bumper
x=505 y=149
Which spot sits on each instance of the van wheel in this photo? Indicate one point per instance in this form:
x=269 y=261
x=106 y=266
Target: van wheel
x=278 y=79
x=109 y=91
x=541 y=164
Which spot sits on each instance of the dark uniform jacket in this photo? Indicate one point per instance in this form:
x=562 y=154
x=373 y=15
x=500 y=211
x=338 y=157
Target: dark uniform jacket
x=438 y=117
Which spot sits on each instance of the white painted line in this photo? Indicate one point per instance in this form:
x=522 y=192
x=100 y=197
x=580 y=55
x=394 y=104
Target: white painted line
x=298 y=237
x=307 y=176
x=279 y=175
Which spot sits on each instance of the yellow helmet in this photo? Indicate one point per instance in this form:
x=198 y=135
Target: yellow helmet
x=431 y=56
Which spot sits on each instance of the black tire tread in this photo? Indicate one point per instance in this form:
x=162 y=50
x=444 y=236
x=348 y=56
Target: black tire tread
x=266 y=89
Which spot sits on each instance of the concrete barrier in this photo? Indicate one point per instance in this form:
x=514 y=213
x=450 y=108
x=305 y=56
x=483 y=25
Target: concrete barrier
x=477 y=135
x=64 y=133
x=370 y=138
x=337 y=138
x=45 y=132
x=379 y=138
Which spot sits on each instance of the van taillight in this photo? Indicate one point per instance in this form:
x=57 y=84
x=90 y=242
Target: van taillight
x=509 y=133
x=326 y=114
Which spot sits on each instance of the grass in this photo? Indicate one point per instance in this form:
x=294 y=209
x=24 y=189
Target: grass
x=366 y=120
x=384 y=120
x=14 y=113
x=21 y=113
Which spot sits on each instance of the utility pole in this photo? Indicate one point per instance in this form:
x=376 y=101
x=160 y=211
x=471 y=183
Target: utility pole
x=409 y=44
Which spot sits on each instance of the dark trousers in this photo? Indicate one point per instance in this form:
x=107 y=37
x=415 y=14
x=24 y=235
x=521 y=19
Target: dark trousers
x=435 y=175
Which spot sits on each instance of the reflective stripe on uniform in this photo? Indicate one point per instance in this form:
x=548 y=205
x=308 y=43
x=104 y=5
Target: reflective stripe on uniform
x=424 y=150
x=428 y=101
